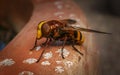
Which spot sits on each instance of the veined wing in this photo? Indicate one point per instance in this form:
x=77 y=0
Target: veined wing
x=84 y=29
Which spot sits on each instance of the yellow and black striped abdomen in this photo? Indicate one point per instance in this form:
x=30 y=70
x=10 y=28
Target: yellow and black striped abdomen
x=78 y=37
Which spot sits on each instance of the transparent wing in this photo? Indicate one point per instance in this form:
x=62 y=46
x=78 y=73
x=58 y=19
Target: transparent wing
x=73 y=27
x=84 y=29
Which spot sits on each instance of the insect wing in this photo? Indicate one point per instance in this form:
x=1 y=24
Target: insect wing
x=84 y=29
x=68 y=21
x=90 y=30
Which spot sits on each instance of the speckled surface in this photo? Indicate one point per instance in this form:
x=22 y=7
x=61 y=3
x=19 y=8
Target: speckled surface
x=101 y=52
x=19 y=48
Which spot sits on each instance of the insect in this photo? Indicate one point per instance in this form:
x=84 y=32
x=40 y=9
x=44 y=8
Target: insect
x=61 y=30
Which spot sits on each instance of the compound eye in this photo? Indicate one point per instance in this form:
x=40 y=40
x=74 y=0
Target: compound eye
x=46 y=28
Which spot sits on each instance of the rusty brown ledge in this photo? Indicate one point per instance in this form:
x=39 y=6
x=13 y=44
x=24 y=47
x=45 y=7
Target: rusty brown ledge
x=19 y=48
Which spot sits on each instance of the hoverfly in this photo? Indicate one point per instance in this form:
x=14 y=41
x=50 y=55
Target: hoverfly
x=61 y=30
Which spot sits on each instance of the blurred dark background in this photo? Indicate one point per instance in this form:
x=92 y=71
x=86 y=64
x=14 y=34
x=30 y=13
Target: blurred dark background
x=102 y=15
x=14 y=14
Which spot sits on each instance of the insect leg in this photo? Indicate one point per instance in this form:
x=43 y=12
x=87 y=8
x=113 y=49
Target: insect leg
x=34 y=45
x=46 y=45
x=45 y=42
x=41 y=54
x=63 y=48
x=76 y=49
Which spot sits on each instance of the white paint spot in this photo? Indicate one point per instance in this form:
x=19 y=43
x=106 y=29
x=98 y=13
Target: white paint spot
x=60 y=17
x=59 y=69
x=59 y=6
x=30 y=61
x=47 y=55
x=68 y=64
x=7 y=62
x=65 y=52
x=72 y=15
x=58 y=2
x=45 y=63
x=58 y=62
x=58 y=13
x=26 y=73
x=38 y=48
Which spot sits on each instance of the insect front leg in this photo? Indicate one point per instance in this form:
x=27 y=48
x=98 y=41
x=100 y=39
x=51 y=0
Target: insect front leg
x=45 y=42
x=48 y=40
x=46 y=45
x=40 y=56
x=42 y=53
x=35 y=45
x=63 y=48
x=73 y=45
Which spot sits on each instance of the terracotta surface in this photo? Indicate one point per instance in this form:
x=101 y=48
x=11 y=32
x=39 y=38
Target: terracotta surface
x=19 y=48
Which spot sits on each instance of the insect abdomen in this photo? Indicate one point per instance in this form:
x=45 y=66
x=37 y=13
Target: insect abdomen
x=78 y=37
